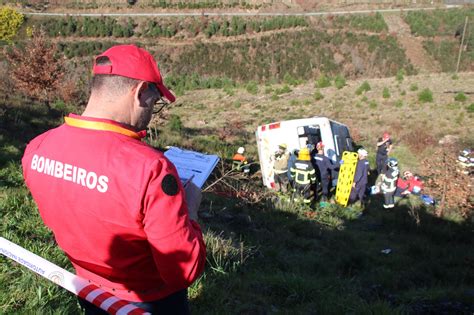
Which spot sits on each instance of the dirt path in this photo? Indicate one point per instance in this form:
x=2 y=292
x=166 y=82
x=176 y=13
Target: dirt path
x=413 y=46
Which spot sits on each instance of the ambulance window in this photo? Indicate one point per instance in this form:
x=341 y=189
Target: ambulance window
x=310 y=134
x=336 y=144
x=343 y=140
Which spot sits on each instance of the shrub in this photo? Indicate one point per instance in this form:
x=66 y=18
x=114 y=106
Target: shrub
x=470 y=108
x=283 y=90
x=425 y=96
x=454 y=77
x=323 y=81
x=399 y=103
x=318 y=96
x=364 y=87
x=10 y=22
x=175 y=123
x=275 y=97
x=400 y=75
x=339 y=81
x=373 y=104
x=402 y=93
x=413 y=87
x=252 y=87
x=385 y=93
x=460 y=97
x=288 y=79
x=237 y=104
x=229 y=91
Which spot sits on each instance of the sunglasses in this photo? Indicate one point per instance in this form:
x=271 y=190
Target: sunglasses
x=152 y=97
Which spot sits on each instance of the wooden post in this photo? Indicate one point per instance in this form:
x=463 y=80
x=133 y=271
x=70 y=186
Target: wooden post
x=462 y=43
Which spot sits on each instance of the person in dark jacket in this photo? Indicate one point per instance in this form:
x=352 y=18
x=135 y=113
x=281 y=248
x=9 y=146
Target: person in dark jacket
x=384 y=146
x=303 y=176
x=323 y=170
x=359 y=186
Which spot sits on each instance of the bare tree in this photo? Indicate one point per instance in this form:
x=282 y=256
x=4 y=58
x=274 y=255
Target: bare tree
x=36 y=70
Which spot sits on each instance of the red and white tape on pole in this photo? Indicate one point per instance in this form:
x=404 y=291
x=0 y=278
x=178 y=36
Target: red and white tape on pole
x=79 y=286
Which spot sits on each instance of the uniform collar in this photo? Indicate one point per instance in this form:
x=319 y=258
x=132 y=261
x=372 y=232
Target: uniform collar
x=102 y=124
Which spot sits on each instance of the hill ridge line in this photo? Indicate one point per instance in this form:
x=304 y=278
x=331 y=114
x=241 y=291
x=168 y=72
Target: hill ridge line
x=217 y=14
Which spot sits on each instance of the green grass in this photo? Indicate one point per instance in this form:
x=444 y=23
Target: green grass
x=265 y=255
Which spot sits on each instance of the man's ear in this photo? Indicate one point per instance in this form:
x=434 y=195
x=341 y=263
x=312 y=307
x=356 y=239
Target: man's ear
x=138 y=91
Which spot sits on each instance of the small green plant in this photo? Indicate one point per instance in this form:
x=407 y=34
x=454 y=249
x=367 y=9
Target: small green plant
x=318 y=95
x=385 y=93
x=323 y=81
x=364 y=99
x=403 y=93
x=307 y=101
x=229 y=91
x=470 y=108
x=268 y=90
x=399 y=103
x=275 y=97
x=425 y=96
x=459 y=120
x=237 y=104
x=454 y=76
x=460 y=97
x=175 y=124
x=294 y=102
x=283 y=90
x=339 y=82
x=413 y=87
x=252 y=87
x=373 y=104
x=400 y=75
x=364 y=87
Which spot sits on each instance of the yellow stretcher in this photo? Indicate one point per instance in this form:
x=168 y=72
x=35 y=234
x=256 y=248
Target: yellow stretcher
x=346 y=177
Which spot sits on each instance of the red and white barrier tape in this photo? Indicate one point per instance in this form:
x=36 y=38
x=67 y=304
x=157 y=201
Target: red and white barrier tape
x=79 y=286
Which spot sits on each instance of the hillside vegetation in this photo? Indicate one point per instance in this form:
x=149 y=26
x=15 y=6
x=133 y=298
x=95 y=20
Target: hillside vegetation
x=266 y=254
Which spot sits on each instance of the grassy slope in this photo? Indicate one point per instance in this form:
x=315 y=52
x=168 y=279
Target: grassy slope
x=267 y=258
x=278 y=258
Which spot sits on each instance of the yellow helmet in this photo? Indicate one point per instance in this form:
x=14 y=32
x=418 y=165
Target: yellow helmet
x=304 y=154
x=283 y=146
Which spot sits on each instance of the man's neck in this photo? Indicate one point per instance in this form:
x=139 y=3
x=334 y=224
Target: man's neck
x=104 y=109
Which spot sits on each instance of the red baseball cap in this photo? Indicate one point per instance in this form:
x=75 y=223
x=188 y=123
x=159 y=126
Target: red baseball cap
x=133 y=62
x=386 y=135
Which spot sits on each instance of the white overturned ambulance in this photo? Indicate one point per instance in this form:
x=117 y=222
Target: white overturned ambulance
x=297 y=134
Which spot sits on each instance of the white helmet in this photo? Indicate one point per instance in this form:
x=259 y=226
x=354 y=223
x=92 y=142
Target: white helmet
x=362 y=152
x=241 y=150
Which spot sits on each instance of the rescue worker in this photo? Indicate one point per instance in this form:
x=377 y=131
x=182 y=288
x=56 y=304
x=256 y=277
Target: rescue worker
x=323 y=170
x=359 y=186
x=116 y=205
x=384 y=147
x=239 y=161
x=389 y=183
x=280 y=167
x=408 y=184
x=303 y=176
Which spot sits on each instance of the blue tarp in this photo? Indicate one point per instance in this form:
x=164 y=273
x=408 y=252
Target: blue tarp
x=191 y=164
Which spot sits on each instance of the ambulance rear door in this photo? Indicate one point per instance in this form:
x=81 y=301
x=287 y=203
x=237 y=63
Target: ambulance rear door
x=268 y=138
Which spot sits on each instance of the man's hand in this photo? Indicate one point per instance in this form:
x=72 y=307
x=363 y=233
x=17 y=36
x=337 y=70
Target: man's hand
x=193 y=199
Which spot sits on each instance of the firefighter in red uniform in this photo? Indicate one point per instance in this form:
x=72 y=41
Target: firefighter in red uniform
x=116 y=206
